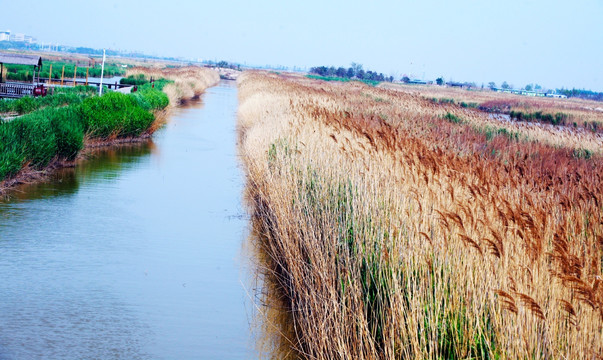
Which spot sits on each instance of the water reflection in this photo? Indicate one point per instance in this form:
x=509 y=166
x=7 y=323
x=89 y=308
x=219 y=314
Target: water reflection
x=105 y=162
x=274 y=328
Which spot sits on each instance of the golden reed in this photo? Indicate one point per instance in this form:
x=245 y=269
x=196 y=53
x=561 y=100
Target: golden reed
x=387 y=231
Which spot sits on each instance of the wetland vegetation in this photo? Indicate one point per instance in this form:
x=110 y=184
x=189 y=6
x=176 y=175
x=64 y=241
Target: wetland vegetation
x=390 y=226
x=52 y=130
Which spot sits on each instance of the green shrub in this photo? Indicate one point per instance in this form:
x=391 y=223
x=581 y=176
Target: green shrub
x=557 y=119
x=68 y=132
x=114 y=114
x=134 y=80
x=582 y=154
x=151 y=99
x=24 y=105
x=11 y=154
x=36 y=138
x=6 y=105
x=453 y=118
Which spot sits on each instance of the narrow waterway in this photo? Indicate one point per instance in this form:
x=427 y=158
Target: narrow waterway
x=135 y=253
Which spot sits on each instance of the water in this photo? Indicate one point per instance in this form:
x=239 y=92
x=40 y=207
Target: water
x=135 y=253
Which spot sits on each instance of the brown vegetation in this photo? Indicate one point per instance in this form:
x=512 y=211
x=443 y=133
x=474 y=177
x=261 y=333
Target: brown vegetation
x=390 y=229
x=188 y=82
x=578 y=113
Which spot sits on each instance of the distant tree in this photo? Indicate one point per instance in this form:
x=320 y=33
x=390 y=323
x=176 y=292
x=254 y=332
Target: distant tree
x=360 y=74
x=341 y=72
x=492 y=85
x=440 y=81
x=356 y=67
x=405 y=79
x=319 y=70
x=529 y=87
x=390 y=79
x=331 y=71
x=537 y=87
x=351 y=72
x=504 y=85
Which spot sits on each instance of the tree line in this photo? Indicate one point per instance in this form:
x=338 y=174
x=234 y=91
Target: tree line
x=353 y=72
x=582 y=94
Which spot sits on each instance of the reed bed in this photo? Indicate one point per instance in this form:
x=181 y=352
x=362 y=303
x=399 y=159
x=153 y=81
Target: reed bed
x=577 y=113
x=186 y=82
x=387 y=231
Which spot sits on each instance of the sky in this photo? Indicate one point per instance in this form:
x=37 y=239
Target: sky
x=551 y=43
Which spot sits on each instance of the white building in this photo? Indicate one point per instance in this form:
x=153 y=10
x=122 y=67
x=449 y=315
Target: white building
x=5 y=35
x=17 y=37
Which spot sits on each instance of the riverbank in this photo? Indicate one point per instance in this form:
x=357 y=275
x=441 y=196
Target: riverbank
x=38 y=143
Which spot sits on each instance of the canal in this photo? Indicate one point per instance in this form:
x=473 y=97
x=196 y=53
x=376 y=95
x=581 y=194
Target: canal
x=135 y=253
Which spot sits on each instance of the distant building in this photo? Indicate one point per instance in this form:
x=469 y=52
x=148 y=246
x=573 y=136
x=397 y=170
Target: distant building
x=465 y=85
x=532 y=93
x=558 y=96
x=417 y=82
x=8 y=36
x=5 y=35
x=17 y=37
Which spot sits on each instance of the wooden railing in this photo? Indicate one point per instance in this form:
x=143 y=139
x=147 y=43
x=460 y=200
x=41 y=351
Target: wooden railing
x=15 y=90
x=71 y=82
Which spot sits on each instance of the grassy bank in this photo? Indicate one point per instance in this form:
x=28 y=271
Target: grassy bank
x=391 y=230
x=54 y=129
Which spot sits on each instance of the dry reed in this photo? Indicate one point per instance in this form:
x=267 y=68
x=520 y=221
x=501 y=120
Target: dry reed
x=389 y=232
x=188 y=82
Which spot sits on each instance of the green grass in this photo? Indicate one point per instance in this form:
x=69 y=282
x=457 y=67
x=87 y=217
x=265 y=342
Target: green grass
x=61 y=97
x=139 y=79
x=453 y=118
x=491 y=132
x=342 y=79
x=557 y=119
x=582 y=154
x=55 y=126
x=114 y=114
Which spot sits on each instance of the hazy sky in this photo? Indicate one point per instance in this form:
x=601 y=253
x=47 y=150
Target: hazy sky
x=553 y=43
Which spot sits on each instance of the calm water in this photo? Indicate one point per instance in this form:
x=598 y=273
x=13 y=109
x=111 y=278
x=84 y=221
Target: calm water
x=134 y=254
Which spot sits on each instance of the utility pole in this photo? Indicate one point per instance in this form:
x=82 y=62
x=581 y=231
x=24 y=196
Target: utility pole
x=100 y=90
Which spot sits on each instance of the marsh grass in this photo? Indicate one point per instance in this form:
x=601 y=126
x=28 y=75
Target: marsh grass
x=60 y=97
x=410 y=236
x=585 y=114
